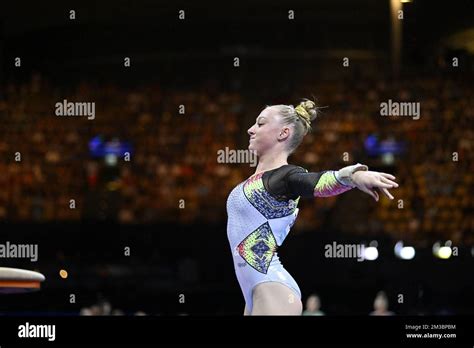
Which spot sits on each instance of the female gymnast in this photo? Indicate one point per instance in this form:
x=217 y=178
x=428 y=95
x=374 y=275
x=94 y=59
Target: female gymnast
x=262 y=209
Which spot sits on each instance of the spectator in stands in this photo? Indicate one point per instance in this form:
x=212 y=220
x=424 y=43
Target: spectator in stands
x=381 y=305
x=313 y=305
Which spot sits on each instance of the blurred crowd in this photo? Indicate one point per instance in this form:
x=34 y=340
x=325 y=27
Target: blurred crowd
x=173 y=174
x=381 y=305
x=103 y=307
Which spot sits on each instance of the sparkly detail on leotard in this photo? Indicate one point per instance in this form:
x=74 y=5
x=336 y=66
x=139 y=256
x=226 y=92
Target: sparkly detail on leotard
x=265 y=203
x=258 y=248
x=328 y=185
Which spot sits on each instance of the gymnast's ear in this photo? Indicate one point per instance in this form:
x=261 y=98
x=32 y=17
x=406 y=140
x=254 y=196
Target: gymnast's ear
x=284 y=133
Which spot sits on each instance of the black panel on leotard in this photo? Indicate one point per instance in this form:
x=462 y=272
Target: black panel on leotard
x=290 y=182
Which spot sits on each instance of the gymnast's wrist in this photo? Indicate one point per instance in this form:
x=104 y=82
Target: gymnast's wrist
x=345 y=175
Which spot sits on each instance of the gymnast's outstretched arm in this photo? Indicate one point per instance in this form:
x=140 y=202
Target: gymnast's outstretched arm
x=331 y=183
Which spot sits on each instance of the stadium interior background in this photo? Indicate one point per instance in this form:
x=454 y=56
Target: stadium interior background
x=135 y=204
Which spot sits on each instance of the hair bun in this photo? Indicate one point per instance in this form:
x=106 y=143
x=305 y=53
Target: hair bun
x=307 y=111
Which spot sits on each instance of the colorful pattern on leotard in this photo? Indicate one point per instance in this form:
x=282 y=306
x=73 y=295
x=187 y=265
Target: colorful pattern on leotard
x=328 y=185
x=265 y=203
x=258 y=248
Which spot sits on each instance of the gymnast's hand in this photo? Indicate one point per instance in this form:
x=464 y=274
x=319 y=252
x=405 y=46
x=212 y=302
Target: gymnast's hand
x=368 y=181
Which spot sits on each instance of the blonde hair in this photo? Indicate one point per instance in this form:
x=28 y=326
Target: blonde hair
x=300 y=117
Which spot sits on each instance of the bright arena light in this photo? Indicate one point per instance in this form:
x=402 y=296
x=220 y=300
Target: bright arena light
x=371 y=253
x=404 y=252
x=407 y=253
x=444 y=252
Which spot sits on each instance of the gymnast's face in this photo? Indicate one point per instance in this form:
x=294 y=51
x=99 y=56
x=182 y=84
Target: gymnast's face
x=266 y=132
